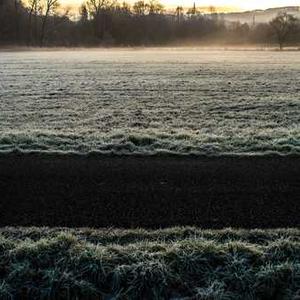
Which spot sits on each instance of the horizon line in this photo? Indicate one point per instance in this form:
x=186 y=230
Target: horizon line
x=205 y=8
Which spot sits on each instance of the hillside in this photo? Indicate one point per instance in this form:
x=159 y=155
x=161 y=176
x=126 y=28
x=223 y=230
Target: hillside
x=260 y=16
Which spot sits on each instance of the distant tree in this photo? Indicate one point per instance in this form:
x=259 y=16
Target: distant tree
x=125 y=8
x=99 y=10
x=140 y=8
x=84 y=15
x=283 y=25
x=145 y=23
x=179 y=14
x=155 y=7
x=34 y=7
x=50 y=8
x=17 y=5
x=96 y=6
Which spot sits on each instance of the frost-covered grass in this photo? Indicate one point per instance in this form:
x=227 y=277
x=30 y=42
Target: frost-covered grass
x=149 y=101
x=178 y=263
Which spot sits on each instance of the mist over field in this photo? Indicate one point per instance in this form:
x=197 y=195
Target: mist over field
x=149 y=101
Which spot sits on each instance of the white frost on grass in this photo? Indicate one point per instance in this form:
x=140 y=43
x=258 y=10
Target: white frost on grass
x=150 y=101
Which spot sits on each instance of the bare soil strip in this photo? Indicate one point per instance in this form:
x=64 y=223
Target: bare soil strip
x=150 y=192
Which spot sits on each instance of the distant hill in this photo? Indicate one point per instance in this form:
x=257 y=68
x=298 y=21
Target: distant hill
x=260 y=16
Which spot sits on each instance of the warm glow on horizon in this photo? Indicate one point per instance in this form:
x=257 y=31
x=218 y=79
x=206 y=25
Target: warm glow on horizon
x=232 y=5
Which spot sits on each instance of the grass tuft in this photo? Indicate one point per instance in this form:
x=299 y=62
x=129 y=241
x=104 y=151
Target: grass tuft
x=176 y=263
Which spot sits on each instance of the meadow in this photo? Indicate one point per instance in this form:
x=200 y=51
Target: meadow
x=150 y=101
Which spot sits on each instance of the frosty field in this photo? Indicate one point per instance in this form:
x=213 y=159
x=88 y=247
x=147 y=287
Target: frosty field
x=150 y=101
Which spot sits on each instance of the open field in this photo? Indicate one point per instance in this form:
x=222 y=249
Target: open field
x=150 y=138
x=98 y=191
x=150 y=101
x=178 y=263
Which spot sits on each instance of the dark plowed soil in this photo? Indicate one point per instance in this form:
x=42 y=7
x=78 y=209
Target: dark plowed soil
x=149 y=191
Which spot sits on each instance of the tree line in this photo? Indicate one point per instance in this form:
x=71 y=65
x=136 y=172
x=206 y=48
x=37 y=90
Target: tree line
x=108 y=22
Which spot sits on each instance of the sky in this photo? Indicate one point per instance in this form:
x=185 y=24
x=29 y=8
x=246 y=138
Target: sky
x=232 y=4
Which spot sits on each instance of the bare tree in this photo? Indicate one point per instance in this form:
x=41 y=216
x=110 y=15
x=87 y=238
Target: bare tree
x=50 y=7
x=97 y=9
x=17 y=26
x=125 y=7
x=112 y=22
x=179 y=13
x=283 y=25
x=140 y=8
x=95 y=6
x=155 y=7
x=84 y=15
x=34 y=6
